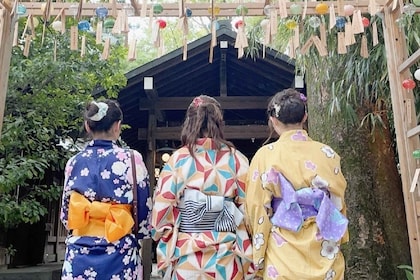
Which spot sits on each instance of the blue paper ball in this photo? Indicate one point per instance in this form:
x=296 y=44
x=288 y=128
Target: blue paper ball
x=340 y=22
x=188 y=12
x=83 y=25
x=101 y=12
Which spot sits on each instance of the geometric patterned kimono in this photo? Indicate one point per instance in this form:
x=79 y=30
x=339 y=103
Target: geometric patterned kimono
x=296 y=209
x=196 y=202
x=96 y=209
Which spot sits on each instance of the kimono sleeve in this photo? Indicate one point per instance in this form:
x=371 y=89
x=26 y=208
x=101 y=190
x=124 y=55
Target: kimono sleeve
x=66 y=191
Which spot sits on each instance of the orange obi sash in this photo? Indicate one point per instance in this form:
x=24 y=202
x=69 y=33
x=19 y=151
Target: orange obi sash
x=87 y=218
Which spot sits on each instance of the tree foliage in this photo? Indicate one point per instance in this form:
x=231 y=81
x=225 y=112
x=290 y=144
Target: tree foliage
x=46 y=95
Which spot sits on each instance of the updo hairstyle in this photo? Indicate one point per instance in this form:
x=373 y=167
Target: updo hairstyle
x=288 y=106
x=101 y=115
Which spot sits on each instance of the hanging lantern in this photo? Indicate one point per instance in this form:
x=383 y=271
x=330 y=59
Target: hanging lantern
x=409 y=9
x=56 y=25
x=365 y=21
x=417 y=74
x=321 y=8
x=162 y=23
x=188 y=12
x=296 y=9
x=21 y=10
x=409 y=84
x=101 y=12
x=83 y=25
x=216 y=10
x=109 y=23
x=267 y=10
x=239 y=23
x=314 y=22
x=264 y=22
x=348 y=10
x=241 y=10
x=340 y=22
x=157 y=8
x=291 y=24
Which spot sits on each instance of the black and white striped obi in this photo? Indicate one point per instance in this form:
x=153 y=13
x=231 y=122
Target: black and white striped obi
x=201 y=212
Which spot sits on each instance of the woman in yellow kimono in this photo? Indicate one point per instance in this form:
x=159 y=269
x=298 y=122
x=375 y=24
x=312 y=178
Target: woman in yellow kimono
x=295 y=200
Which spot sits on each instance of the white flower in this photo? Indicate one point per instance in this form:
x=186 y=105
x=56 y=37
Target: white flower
x=328 y=151
x=84 y=250
x=319 y=183
x=330 y=275
x=118 y=168
x=110 y=250
x=277 y=109
x=105 y=174
x=329 y=249
x=84 y=172
x=115 y=277
x=126 y=259
x=258 y=240
x=118 y=192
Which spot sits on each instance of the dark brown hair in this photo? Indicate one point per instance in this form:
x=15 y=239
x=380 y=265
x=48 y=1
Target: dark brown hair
x=112 y=114
x=204 y=118
x=288 y=106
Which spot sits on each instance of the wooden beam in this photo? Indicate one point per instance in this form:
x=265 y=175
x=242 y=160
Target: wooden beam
x=227 y=102
x=410 y=61
x=172 y=9
x=7 y=21
x=231 y=132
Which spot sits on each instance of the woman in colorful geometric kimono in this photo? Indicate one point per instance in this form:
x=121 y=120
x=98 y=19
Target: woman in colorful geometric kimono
x=295 y=199
x=97 y=203
x=197 y=215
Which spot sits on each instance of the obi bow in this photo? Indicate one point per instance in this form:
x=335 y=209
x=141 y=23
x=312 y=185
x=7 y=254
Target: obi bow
x=196 y=204
x=87 y=218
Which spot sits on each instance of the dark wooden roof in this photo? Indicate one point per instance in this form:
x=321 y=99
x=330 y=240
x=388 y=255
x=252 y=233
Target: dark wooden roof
x=243 y=86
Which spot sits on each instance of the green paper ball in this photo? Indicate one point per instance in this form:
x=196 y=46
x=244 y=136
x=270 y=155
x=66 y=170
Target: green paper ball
x=416 y=2
x=109 y=23
x=157 y=9
x=295 y=9
x=241 y=10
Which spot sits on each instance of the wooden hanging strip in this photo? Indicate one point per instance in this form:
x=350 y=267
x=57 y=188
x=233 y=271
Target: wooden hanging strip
x=32 y=27
x=357 y=23
x=341 y=45
x=282 y=9
x=363 y=48
x=307 y=45
x=319 y=46
x=105 y=52
x=292 y=49
x=375 y=39
x=63 y=22
x=27 y=45
x=332 y=18
x=83 y=47
x=99 y=28
x=131 y=56
x=118 y=24
x=349 y=35
x=74 y=37
x=213 y=41
x=273 y=22
x=15 y=35
x=296 y=37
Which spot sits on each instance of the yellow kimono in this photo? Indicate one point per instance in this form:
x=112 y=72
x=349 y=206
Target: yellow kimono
x=296 y=210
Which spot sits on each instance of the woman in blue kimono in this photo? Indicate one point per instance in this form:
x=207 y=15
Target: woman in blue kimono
x=97 y=203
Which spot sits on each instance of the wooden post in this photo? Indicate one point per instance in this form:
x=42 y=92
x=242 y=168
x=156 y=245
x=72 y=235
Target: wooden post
x=404 y=120
x=6 y=39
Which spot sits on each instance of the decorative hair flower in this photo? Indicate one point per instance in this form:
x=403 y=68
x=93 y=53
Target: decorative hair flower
x=102 y=110
x=277 y=109
x=197 y=102
x=303 y=97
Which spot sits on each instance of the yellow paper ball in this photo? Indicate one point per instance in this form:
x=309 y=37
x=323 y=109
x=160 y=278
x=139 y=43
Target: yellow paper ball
x=321 y=8
x=291 y=24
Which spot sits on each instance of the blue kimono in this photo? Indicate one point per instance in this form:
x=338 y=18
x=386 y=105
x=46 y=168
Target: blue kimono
x=102 y=175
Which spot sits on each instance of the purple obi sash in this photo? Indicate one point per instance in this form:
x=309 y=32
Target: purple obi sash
x=295 y=206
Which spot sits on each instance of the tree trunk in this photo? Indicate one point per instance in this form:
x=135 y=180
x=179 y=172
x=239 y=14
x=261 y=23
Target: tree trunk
x=377 y=223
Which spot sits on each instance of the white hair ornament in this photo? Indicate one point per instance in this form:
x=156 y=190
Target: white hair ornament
x=102 y=110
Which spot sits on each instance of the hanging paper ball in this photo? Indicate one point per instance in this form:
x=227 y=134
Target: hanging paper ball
x=365 y=21
x=348 y=10
x=416 y=2
x=188 y=12
x=239 y=23
x=162 y=23
x=56 y=25
x=134 y=25
x=241 y=10
x=101 y=12
x=409 y=9
x=340 y=22
x=321 y=8
x=21 y=10
x=409 y=84
x=157 y=8
x=109 y=23
x=267 y=10
x=296 y=9
x=216 y=10
x=264 y=22
x=83 y=25
x=416 y=154
x=314 y=22
x=417 y=74
x=291 y=24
